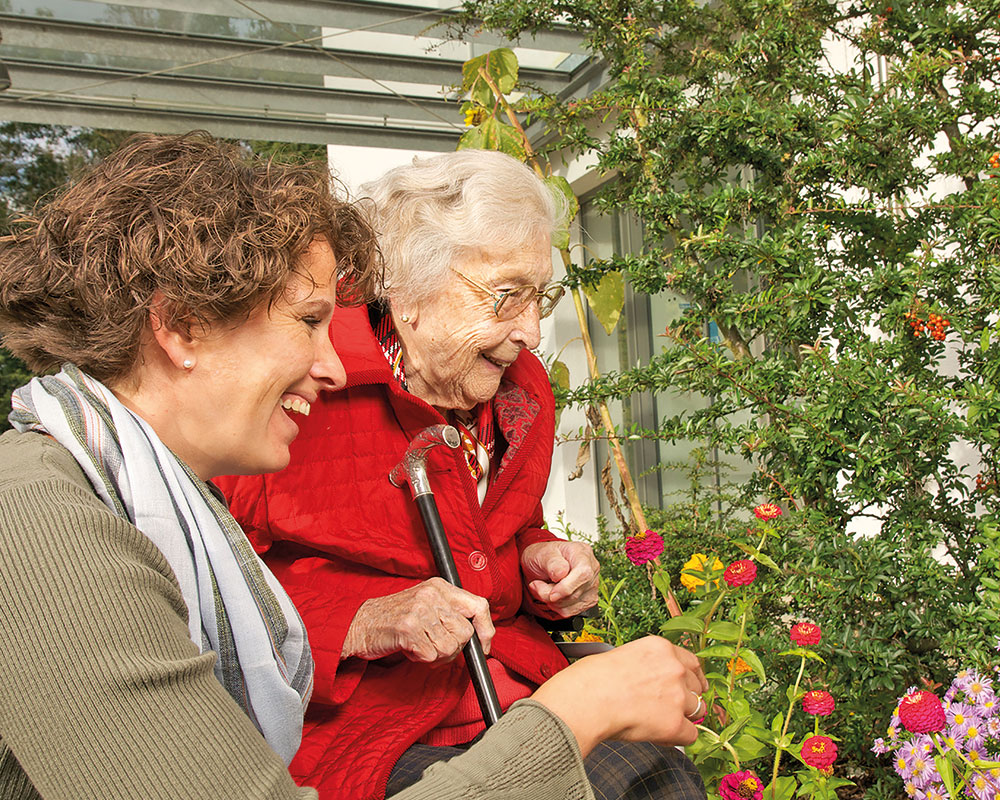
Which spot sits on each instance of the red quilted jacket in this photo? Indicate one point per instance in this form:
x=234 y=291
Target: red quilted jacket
x=335 y=532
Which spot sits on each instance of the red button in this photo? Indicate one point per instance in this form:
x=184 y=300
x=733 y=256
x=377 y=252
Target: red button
x=547 y=671
x=477 y=560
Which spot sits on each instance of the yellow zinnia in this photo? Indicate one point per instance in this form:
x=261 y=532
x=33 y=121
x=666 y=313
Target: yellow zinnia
x=698 y=562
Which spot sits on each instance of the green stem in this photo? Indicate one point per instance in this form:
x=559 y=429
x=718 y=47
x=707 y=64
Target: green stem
x=703 y=636
x=784 y=728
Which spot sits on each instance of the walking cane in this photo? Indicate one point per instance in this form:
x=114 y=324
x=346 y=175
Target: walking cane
x=413 y=466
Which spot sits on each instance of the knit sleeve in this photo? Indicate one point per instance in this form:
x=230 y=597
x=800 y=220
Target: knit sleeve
x=529 y=754
x=103 y=693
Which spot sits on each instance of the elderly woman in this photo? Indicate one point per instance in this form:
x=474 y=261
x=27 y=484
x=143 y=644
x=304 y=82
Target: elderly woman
x=146 y=652
x=466 y=240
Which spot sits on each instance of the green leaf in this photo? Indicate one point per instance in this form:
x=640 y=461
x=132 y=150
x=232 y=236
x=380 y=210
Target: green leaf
x=724 y=631
x=946 y=771
x=733 y=728
x=776 y=723
x=755 y=663
x=607 y=299
x=717 y=651
x=782 y=789
x=748 y=747
x=683 y=622
x=559 y=379
x=801 y=652
x=560 y=187
x=500 y=65
x=767 y=561
x=496 y=135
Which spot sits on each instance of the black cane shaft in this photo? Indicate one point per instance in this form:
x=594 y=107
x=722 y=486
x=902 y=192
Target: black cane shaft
x=475 y=658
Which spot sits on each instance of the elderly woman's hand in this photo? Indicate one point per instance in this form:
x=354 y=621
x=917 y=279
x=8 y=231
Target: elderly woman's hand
x=428 y=622
x=561 y=577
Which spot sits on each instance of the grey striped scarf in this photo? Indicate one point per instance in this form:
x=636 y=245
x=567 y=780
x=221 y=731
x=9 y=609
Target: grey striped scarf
x=235 y=605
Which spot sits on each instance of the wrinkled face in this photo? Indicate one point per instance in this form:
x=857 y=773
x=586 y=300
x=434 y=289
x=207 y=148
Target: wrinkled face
x=251 y=381
x=455 y=349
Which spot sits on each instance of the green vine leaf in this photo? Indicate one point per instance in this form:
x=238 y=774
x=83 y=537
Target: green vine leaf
x=561 y=188
x=500 y=65
x=607 y=300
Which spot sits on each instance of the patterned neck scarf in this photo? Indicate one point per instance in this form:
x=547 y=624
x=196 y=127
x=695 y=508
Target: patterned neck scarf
x=236 y=607
x=476 y=426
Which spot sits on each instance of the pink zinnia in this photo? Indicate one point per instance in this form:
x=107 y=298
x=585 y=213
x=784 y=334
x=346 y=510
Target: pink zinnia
x=740 y=573
x=819 y=752
x=643 y=547
x=741 y=786
x=818 y=703
x=767 y=511
x=804 y=633
x=921 y=712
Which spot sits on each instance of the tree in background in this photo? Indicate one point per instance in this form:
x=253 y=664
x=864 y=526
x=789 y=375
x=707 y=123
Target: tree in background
x=820 y=181
x=35 y=160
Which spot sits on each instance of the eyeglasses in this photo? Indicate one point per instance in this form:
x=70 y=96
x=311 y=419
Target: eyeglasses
x=511 y=302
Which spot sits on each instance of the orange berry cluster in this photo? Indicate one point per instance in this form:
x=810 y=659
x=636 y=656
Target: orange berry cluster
x=984 y=484
x=935 y=325
x=995 y=160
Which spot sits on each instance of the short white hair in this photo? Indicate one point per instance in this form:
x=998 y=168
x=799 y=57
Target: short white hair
x=439 y=211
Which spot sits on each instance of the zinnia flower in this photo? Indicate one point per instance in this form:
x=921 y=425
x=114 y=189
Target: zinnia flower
x=643 y=547
x=740 y=573
x=804 y=633
x=587 y=636
x=738 y=665
x=921 y=712
x=767 y=511
x=819 y=752
x=818 y=703
x=697 y=562
x=741 y=786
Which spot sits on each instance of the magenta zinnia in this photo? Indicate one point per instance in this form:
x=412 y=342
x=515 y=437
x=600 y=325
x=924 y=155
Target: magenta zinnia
x=643 y=547
x=818 y=703
x=767 y=511
x=742 y=785
x=740 y=573
x=921 y=712
x=804 y=633
x=819 y=752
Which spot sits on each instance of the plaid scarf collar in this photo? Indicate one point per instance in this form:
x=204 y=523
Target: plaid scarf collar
x=477 y=427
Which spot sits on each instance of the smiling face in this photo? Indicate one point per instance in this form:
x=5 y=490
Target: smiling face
x=250 y=381
x=455 y=349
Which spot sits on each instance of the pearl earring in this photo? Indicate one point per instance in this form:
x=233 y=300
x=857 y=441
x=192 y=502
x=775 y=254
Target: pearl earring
x=404 y=317
x=188 y=363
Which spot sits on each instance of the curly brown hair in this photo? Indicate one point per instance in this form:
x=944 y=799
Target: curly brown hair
x=215 y=231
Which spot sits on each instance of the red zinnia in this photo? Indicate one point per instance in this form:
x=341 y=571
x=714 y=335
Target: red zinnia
x=804 y=633
x=819 y=752
x=767 y=511
x=921 y=712
x=818 y=703
x=740 y=573
x=741 y=786
x=643 y=547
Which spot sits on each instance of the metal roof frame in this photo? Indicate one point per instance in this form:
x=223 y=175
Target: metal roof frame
x=359 y=72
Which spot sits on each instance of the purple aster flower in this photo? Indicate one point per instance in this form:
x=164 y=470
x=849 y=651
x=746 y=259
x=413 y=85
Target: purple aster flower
x=981 y=787
x=993 y=727
x=901 y=763
x=959 y=715
x=935 y=791
x=924 y=770
x=911 y=789
x=998 y=644
x=974 y=737
x=880 y=747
